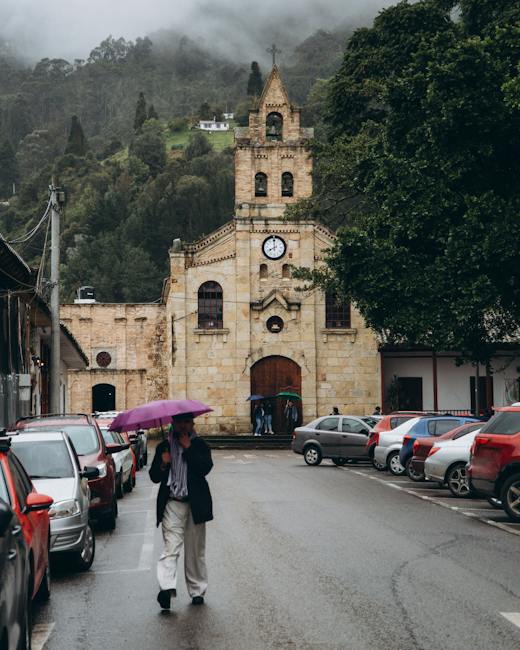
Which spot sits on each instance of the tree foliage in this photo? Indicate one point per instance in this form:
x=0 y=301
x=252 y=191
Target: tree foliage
x=77 y=143
x=140 y=113
x=255 y=83
x=423 y=159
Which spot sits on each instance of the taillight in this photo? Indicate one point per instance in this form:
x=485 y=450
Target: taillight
x=415 y=446
x=433 y=450
x=375 y=438
x=406 y=440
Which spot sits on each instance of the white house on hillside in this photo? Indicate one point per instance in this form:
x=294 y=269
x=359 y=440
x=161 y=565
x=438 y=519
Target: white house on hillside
x=212 y=125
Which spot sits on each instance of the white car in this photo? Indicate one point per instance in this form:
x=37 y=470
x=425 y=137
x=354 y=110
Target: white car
x=447 y=460
x=123 y=461
x=389 y=445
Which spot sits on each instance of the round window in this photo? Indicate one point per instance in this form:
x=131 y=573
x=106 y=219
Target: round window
x=103 y=359
x=275 y=324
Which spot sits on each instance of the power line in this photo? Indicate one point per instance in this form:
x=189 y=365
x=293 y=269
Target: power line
x=31 y=233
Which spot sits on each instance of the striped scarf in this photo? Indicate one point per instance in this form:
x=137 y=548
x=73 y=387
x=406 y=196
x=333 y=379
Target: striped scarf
x=178 y=480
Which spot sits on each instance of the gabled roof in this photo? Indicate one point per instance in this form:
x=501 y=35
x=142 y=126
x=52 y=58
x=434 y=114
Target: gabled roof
x=273 y=78
x=275 y=295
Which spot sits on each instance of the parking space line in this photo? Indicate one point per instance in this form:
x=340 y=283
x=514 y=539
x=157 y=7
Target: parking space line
x=146 y=556
x=439 y=502
x=40 y=635
x=512 y=617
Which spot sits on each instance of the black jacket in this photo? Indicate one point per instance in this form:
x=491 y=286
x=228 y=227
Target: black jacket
x=198 y=457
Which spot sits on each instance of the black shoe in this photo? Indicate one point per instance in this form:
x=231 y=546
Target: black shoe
x=163 y=598
x=197 y=600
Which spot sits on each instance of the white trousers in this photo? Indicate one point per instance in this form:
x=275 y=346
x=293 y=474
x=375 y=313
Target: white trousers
x=179 y=529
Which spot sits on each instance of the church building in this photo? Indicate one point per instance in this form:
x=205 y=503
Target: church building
x=237 y=322
x=232 y=322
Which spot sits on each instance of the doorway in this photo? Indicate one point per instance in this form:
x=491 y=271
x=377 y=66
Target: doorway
x=272 y=375
x=410 y=393
x=103 y=397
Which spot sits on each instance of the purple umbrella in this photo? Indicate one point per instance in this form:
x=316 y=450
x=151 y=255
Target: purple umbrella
x=155 y=414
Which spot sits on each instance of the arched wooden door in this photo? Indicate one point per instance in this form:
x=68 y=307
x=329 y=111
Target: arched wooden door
x=103 y=397
x=272 y=375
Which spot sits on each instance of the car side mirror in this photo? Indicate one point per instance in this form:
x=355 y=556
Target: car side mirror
x=132 y=437
x=114 y=449
x=36 y=502
x=6 y=515
x=89 y=473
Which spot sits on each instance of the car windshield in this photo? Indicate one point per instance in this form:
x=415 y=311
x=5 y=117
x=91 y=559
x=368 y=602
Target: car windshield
x=505 y=423
x=45 y=459
x=83 y=436
x=110 y=437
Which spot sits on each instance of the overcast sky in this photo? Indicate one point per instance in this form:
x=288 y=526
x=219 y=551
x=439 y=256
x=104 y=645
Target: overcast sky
x=71 y=28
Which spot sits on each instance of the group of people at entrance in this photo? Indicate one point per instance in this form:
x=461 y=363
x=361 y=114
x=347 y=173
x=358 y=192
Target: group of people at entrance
x=263 y=417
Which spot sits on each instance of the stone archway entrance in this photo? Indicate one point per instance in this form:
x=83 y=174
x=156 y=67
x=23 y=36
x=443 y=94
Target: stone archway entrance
x=103 y=397
x=271 y=375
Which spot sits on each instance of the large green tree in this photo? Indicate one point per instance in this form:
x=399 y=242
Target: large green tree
x=423 y=161
x=77 y=143
x=255 y=83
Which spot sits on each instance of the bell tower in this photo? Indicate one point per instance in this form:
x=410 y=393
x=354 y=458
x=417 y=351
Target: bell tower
x=273 y=166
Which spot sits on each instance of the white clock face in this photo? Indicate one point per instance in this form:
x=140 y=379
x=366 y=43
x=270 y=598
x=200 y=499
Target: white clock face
x=274 y=247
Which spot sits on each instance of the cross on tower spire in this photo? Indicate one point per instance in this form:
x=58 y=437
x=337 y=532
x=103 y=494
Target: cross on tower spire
x=273 y=50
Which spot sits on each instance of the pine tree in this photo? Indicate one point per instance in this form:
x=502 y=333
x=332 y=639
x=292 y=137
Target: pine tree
x=8 y=168
x=152 y=113
x=140 y=112
x=205 y=112
x=255 y=83
x=77 y=143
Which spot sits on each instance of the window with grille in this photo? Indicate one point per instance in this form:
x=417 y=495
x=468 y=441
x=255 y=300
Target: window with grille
x=211 y=307
x=337 y=312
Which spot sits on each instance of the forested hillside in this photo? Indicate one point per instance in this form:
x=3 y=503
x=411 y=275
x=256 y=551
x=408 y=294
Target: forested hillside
x=131 y=187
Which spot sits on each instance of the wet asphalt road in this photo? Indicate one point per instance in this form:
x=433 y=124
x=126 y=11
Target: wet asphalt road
x=299 y=557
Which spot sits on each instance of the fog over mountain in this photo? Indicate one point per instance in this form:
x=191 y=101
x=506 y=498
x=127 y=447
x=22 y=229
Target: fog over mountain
x=71 y=28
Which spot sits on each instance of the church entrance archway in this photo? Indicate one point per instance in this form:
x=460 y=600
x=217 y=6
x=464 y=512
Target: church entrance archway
x=272 y=375
x=103 y=397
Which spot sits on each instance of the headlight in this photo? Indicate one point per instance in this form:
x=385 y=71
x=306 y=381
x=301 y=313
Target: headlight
x=102 y=469
x=62 y=509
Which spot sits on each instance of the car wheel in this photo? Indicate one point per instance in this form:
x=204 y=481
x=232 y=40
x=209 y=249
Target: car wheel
x=457 y=481
x=85 y=557
x=128 y=486
x=496 y=503
x=510 y=497
x=339 y=462
x=381 y=467
x=312 y=455
x=110 y=519
x=417 y=477
x=394 y=464
x=120 y=493
x=44 y=591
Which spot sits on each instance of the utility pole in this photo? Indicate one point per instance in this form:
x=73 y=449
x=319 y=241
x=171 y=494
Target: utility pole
x=57 y=199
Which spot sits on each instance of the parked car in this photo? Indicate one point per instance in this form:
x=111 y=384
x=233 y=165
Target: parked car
x=386 y=452
x=15 y=599
x=92 y=450
x=422 y=446
x=339 y=438
x=53 y=465
x=429 y=426
x=387 y=423
x=137 y=439
x=31 y=509
x=124 y=461
x=447 y=462
x=494 y=468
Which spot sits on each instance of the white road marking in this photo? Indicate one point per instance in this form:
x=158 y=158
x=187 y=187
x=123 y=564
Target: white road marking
x=249 y=455
x=439 y=502
x=512 y=617
x=146 y=557
x=40 y=635
x=229 y=457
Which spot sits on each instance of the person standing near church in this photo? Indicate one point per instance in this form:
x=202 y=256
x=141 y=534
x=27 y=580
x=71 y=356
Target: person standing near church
x=291 y=417
x=184 y=505
x=268 y=417
x=258 y=419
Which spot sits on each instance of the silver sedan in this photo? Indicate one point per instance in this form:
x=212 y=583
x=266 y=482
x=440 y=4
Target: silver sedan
x=447 y=460
x=339 y=437
x=53 y=465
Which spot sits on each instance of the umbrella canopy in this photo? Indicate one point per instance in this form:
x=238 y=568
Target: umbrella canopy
x=288 y=395
x=155 y=414
x=254 y=398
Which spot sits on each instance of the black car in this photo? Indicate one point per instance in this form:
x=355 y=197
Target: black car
x=15 y=596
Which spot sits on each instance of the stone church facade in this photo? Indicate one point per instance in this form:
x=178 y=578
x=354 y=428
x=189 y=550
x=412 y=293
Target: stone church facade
x=233 y=322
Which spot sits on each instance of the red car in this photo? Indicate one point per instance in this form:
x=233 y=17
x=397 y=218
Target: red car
x=494 y=468
x=31 y=508
x=422 y=446
x=92 y=451
x=387 y=423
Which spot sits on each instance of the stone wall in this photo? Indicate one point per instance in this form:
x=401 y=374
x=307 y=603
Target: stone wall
x=134 y=335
